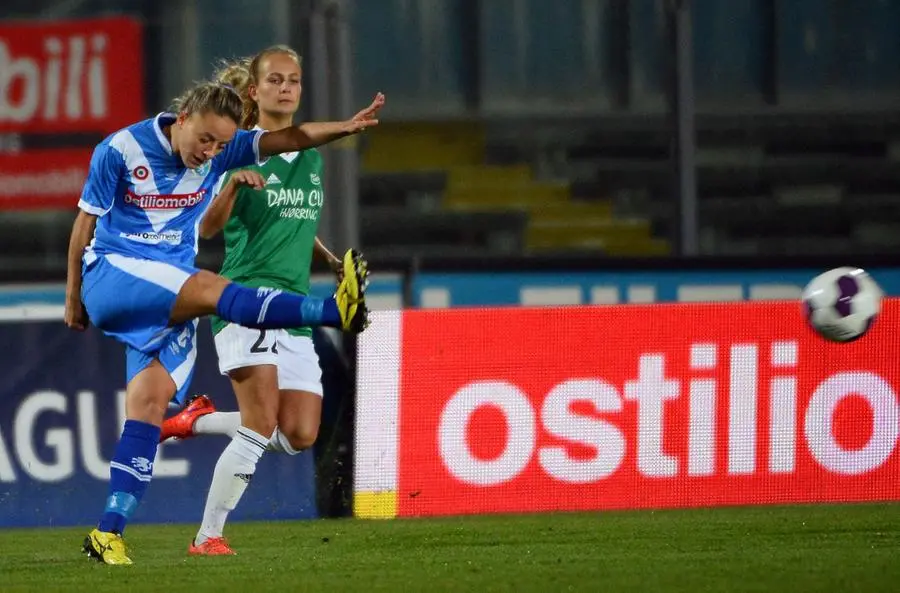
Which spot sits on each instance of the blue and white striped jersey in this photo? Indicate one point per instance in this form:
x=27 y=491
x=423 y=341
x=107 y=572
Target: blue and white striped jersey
x=149 y=205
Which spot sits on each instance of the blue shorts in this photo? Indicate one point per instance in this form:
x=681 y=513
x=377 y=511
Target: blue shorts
x=131 y=299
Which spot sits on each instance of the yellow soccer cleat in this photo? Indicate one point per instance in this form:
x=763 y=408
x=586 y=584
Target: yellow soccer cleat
x=351 y=293
x=106 y=547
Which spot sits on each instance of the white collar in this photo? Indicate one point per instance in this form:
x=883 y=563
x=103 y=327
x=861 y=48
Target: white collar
x=163 y=119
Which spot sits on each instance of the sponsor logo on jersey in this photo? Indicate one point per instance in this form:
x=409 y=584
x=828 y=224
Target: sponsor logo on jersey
x=273 y=180
x=294 y=197
x=154 y=238
x=294 y=203
x=164 y=201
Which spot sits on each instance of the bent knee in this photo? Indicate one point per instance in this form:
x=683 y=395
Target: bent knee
x=208 y=286
x=259 y=419
x=198 y=296
x=301 y=438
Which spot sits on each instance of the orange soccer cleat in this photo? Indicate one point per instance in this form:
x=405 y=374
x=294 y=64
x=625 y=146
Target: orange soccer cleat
x=214 y=546
x=181 y=425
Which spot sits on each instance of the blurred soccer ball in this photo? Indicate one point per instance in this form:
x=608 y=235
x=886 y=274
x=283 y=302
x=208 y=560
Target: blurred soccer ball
x=842 y=303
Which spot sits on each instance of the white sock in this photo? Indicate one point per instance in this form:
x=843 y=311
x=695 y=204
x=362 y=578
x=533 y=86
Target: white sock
x=226 y=423
x=281 y=444
x=232 y=475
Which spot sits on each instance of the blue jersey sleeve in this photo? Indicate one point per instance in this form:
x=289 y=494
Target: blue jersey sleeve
x=106 y=173
x=242 y=151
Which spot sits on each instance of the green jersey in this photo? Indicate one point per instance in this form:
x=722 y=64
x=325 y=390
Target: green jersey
x=270 y=235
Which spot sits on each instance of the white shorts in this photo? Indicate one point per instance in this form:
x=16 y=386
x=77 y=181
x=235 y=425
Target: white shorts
x=295 y=356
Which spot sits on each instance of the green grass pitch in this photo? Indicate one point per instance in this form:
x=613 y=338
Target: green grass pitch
x=841 y=548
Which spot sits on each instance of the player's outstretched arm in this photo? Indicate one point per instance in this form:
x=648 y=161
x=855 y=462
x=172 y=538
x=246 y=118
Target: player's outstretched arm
x=223 y=203
x=82 y=233
x=309 y=135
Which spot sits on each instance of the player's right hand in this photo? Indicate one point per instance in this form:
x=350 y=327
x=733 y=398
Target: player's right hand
x=248 y=178
x=76 y=315
x=366 y=118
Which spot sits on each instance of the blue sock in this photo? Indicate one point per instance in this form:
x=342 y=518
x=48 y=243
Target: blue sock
x=265 y=308
x=129 y=473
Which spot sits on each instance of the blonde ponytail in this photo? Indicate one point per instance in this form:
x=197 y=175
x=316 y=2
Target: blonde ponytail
x=236 y=74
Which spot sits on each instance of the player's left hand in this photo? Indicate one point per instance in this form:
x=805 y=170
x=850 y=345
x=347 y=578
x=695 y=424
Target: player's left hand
x=367 y=117
x=248 y=178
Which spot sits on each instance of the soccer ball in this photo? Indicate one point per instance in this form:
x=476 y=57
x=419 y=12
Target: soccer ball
x=842 y=303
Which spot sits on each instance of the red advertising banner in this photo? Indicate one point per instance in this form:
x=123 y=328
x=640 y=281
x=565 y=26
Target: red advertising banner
x=64 y=85
x=70 y=76
x=627 y=407
x=43 y=178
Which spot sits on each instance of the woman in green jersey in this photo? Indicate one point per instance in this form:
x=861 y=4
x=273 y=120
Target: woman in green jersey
x=269 y=214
